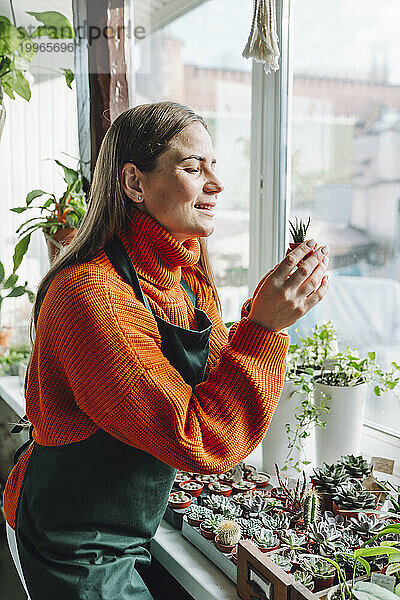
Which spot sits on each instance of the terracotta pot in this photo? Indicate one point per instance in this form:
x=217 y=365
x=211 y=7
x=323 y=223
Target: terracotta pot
x=178 y=482
x=178 y=505
x=194 y=493
x=222 y=547
x=225 y=493
x=260 y=484
x=323 y=584
x=234 y=556
x=62 y=237
x=5 y=336
x=209 y=535
x=267 y=549
x=195 y=522
x=347 y=513
x=250 y=488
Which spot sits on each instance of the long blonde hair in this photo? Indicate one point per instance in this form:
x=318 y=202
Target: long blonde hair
x=139 y=135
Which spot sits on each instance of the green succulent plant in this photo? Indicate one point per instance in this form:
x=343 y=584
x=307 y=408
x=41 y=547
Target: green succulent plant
x=311 y=508
x=365 y=525
x=196 y=512
x=356 y=467
x=265 y=538
x=298 y=229
x=317 y=567
x=282 y=561
x=211 y=523
x=305 y=578
x=277 y=522
x=229 y=532
x=250 y=527
x=327 y=478
x=352 y=496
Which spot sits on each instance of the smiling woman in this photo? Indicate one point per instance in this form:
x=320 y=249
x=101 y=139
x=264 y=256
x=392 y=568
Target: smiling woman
x=143 y=378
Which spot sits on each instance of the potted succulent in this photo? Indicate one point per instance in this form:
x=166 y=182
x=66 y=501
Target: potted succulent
x=352 y=497
x=250 y=527
x=325 y=536
x=322 y=572
x=206 y=478
x=59 y=218
x=292 y=544
x=197 y=514
x=278 y=522
x=326 y=479
x=220 y=489
x=366 y=526
x=298 y=231
x=342 y=386
x=254 y=505
x=182 y=476
x=18 y=48
x=9 y=288
x=179 y=500
x=356 y=467
x=305 y=578
x=260 y=479
x=241 y=498
x=244 y=486
x=194 y=488
x=266 y=540
x=209 y=526
x=227 y=536
x=282 y=561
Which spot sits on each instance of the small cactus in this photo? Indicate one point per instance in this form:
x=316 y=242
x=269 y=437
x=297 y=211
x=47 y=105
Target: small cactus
x=311 y=508
x=229 y=533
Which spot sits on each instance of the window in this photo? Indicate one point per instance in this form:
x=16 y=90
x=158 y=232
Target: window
x=196 y=59
x=345 y=168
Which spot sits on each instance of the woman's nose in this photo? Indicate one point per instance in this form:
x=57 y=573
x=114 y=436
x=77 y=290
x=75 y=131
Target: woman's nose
x=214 y=185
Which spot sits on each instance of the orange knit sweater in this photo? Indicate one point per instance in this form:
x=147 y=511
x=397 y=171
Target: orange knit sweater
x=97 y=363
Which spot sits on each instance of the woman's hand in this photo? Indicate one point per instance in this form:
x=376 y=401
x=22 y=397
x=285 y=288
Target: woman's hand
x=282 y=297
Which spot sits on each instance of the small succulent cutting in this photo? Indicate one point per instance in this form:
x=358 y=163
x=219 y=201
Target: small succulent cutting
x=298 y=230
x=353 y=496
x=356 y=467
x=327 y=478
x=265 y=539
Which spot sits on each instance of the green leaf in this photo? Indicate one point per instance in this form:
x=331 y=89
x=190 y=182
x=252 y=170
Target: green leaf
x=17 y=82
x=32 y=195
x=69 y=76
x=375 y=551
x=55 y=24
x=365 y=564
x=10 y=281
x=2 y=272
x=17 y=291
x=19 y=209
x=371 y=355
x=70 y=176
x=20 y=251
x=7 y=88
x=377 y=390
x=9 y=35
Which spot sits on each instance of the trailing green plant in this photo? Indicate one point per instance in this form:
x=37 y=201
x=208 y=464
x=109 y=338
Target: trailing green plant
x=347 y=369
x=352 y=496
x=311 y=508
x=229 y=533
x=327 y=478
x=9 y=288
x=18 y=47
x=55 y=213
x=356 y=467
x=304 y=361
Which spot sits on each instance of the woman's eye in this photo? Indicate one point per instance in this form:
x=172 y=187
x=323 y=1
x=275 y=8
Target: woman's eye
x=192 y=170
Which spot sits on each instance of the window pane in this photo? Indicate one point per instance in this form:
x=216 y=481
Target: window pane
x=345 y=171
x=196 y=60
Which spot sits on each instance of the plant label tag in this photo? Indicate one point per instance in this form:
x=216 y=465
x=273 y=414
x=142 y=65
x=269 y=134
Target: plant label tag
x=385 y=581
x=383 y=465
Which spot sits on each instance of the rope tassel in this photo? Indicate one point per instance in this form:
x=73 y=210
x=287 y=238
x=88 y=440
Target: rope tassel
x=263 y=42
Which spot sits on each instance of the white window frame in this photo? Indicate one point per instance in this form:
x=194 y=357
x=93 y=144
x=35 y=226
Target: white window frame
x=270 y=188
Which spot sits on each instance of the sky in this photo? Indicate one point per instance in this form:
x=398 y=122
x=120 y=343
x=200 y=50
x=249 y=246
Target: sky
x=336 y=37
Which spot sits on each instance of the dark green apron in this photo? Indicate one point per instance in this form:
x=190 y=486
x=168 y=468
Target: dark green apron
x=87 y=510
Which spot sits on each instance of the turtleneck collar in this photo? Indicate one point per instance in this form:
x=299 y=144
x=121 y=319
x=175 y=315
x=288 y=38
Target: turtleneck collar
x=156 y=255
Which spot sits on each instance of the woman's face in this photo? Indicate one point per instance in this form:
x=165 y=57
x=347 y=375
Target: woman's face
x=181 y=193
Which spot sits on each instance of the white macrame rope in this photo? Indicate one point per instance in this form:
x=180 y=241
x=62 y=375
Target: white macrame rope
x=263 y=42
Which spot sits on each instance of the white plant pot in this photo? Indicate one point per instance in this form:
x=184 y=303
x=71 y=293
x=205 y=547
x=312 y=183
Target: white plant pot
x=275 y=442
x=344 y=421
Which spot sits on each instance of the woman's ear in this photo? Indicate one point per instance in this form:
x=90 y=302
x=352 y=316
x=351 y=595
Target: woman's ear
x=131 y=182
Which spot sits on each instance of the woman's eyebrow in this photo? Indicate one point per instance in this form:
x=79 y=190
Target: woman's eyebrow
x=200 y=158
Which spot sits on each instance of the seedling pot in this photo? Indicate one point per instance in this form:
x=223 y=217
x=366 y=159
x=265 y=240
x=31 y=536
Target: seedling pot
x=209 y=535
x=222 y=547
x=323 y=584
x=225 y=493
x=344 y=421
x=194 y=493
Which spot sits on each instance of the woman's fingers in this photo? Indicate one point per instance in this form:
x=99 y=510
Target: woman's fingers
x=317 y=296
x=314 y=281
x=291 y=260
x=306 y=269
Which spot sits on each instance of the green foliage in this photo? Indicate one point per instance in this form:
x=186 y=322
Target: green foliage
x=10 y=360
x=356 y=467
x=55 y=213
x=18 y=47
x=9 y=287
x=299 y=229
x=327 y=478
x=352 y=496
x=311 y=508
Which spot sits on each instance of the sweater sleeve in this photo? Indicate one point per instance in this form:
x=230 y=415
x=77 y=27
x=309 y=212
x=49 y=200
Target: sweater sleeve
x=110 y=351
